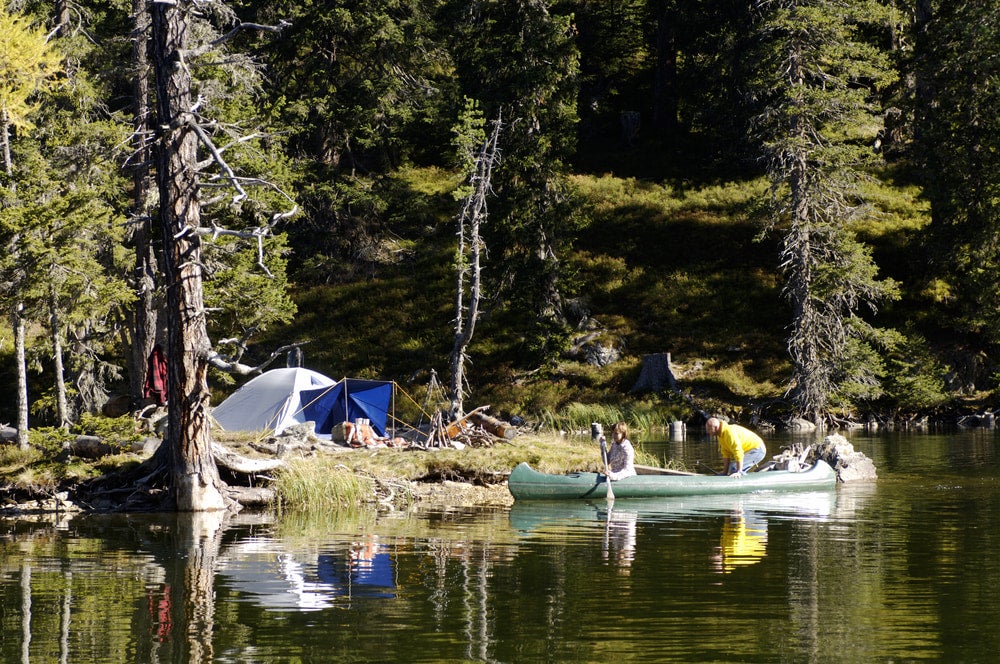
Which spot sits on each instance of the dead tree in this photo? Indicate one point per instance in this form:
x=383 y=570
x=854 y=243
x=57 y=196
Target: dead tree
x=193 y=476
x=468 y=259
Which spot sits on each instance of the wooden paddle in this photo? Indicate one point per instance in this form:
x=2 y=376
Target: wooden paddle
x=607 y=470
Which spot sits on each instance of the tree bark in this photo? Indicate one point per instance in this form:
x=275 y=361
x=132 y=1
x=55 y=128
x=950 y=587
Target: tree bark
x=8 y=162
x=143 y=316
x=22 y=378
x=194 y=476
x=62 y=406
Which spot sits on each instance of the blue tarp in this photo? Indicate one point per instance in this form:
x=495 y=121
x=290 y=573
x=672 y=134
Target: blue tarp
x=346 y=401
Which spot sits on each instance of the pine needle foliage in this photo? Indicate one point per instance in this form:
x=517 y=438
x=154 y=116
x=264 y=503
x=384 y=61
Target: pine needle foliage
x=817 y=77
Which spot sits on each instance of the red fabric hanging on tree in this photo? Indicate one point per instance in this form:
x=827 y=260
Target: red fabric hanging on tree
x=156 y=377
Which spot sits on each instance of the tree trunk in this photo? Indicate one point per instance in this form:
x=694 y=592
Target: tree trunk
x=665 y=82
x=62 y=17
x=655 y=374
x=474 y=211
x=22 y=378
x=143 y=316
x=62 y=407
x=194 y=475
x=8 y=162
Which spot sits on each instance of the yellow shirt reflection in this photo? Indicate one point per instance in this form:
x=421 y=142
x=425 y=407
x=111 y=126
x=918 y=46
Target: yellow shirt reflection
x=742 y=543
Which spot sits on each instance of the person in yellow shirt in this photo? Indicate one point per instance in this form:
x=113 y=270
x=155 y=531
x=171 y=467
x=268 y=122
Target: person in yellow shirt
x=741 y=448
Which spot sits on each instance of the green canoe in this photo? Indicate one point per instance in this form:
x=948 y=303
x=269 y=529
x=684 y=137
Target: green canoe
x=526 y=483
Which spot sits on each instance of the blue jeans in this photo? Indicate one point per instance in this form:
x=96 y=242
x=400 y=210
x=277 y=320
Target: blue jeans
x=750 y=457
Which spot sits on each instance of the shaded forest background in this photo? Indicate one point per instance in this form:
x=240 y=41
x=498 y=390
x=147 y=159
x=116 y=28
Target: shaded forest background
x=631 y=209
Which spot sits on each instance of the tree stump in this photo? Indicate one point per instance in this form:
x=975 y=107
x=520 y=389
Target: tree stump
x=655 y=374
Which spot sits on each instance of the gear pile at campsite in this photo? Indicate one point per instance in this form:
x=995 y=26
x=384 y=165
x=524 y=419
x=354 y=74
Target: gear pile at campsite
x=352 y=412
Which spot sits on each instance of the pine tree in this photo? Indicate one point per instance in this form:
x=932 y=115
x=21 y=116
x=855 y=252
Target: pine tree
x=816 y=77
x=205 y=190
x=27 y=67
x=959 y=141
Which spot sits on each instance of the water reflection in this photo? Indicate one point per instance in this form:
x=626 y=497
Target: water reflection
x=743 y=519
x=619 y=538
x=532 y=515
x=743 y=541
x=889 y=571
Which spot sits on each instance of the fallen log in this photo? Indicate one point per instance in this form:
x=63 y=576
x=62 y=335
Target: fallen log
x=455 y=426
x=498 y=428
x=238 y=463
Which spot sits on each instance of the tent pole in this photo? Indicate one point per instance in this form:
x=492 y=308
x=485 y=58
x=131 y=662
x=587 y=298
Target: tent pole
x=347 y=403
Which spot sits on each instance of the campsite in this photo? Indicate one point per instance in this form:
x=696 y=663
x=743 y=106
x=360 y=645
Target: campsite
x=280 y=398
x=350 y=411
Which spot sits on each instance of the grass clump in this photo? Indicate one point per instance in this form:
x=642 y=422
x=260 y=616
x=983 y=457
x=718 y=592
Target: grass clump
x=321 y=484
x=641 y=416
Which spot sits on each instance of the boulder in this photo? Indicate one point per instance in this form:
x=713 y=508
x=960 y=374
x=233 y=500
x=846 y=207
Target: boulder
x=801 y=424
x=851 y=465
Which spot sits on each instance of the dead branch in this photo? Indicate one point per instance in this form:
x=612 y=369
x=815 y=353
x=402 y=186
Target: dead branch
x=222 y=363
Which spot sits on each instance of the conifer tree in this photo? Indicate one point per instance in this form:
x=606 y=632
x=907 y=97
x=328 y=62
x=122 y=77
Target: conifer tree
x=27 y=67
x=817 y=122
x=959 y=142
x=190 y=164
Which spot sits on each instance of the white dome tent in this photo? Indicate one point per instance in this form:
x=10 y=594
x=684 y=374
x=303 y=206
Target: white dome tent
x=271 y=401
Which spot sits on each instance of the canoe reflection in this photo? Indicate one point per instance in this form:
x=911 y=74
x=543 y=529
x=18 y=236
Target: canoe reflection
x=742 y=540
x=527 y=516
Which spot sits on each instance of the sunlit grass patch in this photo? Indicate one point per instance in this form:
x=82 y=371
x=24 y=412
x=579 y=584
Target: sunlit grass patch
x=322 y=483
x=13 y=458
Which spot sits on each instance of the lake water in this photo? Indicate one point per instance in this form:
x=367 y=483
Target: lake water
x=905 y=569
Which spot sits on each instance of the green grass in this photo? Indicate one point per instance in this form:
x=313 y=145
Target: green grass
x=661 y=266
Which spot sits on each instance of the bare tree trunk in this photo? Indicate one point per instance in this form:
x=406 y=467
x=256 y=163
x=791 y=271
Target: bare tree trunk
x=8 y=161
x=22 y=378
x=194 y=475
x=474 y=212
x=62 y=407
x=143 y=316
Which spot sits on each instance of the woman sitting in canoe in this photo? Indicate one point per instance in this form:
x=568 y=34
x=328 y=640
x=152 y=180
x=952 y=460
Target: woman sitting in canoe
x=621 y=456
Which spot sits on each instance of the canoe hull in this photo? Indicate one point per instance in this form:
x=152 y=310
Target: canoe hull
x=526 y=483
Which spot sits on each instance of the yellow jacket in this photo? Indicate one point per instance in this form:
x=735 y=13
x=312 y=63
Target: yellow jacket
x=734 y=440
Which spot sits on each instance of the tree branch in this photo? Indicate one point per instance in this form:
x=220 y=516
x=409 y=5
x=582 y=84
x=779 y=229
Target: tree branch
x=222 y=363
